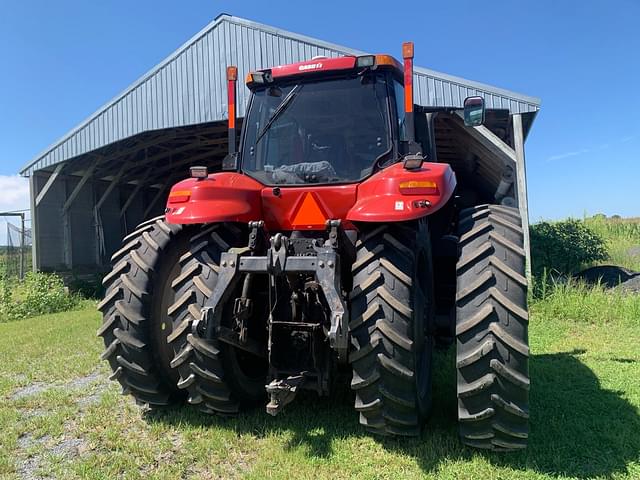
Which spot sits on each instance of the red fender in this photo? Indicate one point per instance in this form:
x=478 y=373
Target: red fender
x=397 y=195
x=222 y=197
x=392 y=195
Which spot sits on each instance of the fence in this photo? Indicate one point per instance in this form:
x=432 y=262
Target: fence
x=15 y=256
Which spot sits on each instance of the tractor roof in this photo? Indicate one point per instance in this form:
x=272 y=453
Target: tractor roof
x=320 y=65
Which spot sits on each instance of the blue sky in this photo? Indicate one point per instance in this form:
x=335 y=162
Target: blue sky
x=62 y=60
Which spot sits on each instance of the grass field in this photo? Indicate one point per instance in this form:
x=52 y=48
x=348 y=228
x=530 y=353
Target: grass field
x=622 y=237
x=60 y=417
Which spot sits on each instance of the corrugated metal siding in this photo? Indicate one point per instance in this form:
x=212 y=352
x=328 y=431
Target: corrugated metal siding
x=189 y=86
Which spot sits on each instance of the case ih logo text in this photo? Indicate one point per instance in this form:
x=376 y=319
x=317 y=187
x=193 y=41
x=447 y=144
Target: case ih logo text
x=311 y=66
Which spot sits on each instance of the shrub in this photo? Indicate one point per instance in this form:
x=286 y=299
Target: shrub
x=38 y=294
x=564 y=247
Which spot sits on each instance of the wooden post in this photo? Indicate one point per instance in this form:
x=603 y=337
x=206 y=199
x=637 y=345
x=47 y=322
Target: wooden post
x=521 y=183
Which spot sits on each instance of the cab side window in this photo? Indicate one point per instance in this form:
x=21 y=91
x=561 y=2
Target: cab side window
x=399 y=93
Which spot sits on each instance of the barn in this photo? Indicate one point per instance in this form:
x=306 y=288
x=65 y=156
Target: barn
x=114 y=170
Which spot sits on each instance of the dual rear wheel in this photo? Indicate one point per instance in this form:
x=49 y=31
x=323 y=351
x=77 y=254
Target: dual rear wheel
x=160 y=280
x=164 y=274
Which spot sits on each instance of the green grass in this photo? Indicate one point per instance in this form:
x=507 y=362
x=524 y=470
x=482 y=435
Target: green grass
x=585 y=402
x=61 y=417
x=622 y=237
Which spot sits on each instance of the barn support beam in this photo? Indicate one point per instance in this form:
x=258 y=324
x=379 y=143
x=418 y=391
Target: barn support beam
x=155 y=199
x=52 y=178
x=521 y=186
x=187 y=149
x=85 y=177
x=489 y=140
x=114 y=182
x=97 y=219
x=136 y=190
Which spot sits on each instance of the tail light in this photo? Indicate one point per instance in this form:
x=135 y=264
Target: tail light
x=179 y=196
x=419 y=187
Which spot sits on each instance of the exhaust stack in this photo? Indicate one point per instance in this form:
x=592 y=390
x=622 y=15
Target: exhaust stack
x=407 y=55
x=232 y=79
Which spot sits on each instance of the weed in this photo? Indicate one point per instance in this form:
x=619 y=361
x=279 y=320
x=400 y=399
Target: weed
x=39 y=293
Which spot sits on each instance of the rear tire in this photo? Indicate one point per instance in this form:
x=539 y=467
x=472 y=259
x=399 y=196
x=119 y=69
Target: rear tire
x=391 y=306
x=134 y=324
x=492 y=330
x=211 y=372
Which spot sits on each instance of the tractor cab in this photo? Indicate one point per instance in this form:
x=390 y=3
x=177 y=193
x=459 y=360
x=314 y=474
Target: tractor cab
x=326 y=121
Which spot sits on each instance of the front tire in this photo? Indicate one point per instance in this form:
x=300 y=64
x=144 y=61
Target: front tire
x=391 y=350
x=492 y=358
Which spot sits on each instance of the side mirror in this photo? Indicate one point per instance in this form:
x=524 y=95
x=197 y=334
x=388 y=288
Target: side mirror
x=230 y=162
x=473 y=111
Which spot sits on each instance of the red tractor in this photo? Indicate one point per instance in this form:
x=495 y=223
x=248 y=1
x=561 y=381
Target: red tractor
x=328 y=243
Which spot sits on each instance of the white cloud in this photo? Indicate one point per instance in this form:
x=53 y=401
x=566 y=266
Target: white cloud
x=14 y=193
x=582 y=151
x=567 y=155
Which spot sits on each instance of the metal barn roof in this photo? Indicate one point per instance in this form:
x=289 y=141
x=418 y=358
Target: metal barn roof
x=189 y=86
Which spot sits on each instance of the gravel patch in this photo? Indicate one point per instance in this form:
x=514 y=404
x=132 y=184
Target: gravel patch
x=84 y=381
x=32 y=413
x=30 y=390
x=28 y=467
x=75 y=384
x=69 y=448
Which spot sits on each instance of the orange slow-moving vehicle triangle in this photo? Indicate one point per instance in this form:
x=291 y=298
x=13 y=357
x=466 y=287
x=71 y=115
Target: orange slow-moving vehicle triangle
x=309 y=212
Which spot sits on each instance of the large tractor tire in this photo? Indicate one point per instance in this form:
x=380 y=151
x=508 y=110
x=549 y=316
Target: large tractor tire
x=391 y=305
x=217 y=377
x=492 y=329
x=135 y=323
